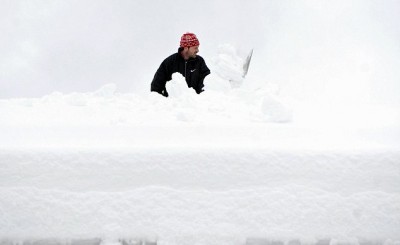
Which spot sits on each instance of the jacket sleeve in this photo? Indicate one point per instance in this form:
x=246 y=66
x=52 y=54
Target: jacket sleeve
x=160 y=79
x=204 y=71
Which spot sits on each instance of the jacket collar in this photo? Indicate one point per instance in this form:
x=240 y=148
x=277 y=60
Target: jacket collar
x=181 y=57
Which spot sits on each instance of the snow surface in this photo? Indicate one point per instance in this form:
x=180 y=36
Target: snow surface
x=304 y=150
x=297 y=151
x=228 y=166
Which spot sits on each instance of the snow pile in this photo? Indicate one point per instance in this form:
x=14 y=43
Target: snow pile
x=229 y=65
x=222 y=103
x=226 y=96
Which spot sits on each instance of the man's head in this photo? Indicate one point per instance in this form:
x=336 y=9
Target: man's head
x=190 y=45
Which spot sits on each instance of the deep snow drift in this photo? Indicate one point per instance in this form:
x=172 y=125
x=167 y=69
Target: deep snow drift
x=229 y=166
x=305 y=150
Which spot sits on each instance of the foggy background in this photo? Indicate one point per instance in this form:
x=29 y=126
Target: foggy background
x=333 y=51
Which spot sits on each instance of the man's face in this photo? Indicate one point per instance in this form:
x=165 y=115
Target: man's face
x=192 y=51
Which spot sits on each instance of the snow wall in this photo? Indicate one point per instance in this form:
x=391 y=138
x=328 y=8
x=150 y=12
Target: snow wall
x=95 y=168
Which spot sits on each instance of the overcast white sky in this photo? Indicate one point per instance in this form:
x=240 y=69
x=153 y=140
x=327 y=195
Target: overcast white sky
x=347 y=49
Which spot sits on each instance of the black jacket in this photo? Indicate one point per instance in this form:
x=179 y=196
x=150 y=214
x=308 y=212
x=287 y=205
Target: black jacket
x=194 y=70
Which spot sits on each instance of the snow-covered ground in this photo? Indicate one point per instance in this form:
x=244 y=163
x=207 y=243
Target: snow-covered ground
x=229 y=166
x=304 y=150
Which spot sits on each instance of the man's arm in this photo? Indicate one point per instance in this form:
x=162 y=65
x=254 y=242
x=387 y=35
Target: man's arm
x=160 y=79
x=204 y=71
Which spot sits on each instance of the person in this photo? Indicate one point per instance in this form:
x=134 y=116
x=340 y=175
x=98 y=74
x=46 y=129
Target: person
x=186 y=62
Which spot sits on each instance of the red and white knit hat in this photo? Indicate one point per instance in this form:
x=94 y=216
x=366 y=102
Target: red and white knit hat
x=189 y=40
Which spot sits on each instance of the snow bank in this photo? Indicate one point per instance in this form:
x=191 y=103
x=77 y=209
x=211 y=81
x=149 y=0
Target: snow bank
x=222 y=167
x=284 y=212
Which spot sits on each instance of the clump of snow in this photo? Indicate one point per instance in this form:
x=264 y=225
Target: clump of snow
x=275 y=110
x=215 y=83
x=229 y=65
x=177 y=87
